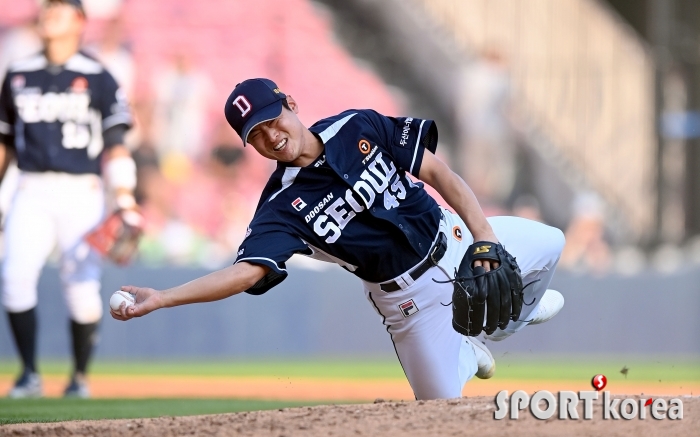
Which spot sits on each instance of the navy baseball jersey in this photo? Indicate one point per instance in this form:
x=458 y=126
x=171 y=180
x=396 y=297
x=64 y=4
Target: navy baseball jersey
x=54 y=116
x=355 y=205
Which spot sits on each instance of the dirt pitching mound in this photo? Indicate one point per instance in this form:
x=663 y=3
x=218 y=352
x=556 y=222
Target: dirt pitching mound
x=456 y=417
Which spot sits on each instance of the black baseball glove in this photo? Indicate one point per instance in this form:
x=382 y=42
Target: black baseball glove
x=498 y=293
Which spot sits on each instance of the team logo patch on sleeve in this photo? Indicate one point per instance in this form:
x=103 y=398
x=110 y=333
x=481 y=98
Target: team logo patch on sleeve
x=457 y=233
x=298 y=204
x=408 y=308
x=364 y=146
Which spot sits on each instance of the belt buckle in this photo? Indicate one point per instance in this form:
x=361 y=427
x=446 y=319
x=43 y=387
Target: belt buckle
x=440 y=241
x=432 y=253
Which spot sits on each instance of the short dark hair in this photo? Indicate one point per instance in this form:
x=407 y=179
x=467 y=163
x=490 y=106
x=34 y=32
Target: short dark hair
x=285 y=104
x=77 y=4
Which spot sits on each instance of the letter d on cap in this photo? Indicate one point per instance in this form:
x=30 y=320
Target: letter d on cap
x=243 y=105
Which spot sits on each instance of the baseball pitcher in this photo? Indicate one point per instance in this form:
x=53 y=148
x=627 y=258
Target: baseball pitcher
x=343 y=193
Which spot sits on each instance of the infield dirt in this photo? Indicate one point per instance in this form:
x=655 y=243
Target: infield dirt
x=456 y=417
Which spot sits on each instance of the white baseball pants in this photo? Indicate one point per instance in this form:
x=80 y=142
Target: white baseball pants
x=436 y=359
x=49 y=209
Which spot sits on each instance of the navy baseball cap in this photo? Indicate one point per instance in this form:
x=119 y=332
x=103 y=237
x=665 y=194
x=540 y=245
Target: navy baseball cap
x=252 y=102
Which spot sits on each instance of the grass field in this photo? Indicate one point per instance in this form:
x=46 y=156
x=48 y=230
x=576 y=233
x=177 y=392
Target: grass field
x=516 y=368
x=509 y=367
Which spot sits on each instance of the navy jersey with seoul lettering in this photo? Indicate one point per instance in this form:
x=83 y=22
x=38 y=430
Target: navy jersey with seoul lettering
x=54 y=116
x=355 y=205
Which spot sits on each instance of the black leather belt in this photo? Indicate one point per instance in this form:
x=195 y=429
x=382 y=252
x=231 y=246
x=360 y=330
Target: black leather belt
x=435 y=255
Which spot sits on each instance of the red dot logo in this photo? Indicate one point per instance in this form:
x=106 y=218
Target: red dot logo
x=599 y=382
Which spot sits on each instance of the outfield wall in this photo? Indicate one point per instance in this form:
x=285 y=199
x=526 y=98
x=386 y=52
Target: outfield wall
x=324 y=312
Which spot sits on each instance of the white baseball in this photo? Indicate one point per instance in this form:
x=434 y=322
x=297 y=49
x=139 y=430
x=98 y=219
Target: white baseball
x=121 y=296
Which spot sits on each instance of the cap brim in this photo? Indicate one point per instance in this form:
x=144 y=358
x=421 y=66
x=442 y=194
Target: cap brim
x=269 y=112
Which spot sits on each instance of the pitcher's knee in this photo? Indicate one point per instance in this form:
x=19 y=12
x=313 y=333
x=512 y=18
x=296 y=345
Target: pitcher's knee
x=549 y=243
x=558 y=240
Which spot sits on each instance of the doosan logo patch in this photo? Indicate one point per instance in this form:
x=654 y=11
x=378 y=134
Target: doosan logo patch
x=408 y=308
x=298 y=204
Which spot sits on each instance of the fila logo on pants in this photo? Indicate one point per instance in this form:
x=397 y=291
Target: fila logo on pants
x=408 y=308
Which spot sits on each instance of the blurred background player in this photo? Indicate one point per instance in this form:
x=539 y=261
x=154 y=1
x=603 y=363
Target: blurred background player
x=63 y=117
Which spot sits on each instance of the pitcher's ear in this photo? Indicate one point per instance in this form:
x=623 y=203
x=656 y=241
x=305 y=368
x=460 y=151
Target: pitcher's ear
x=292 y=104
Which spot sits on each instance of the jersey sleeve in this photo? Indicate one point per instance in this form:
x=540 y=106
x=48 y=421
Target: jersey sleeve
x=6 y=114
x=113 y=104
x=405 y=138
x=269 y=242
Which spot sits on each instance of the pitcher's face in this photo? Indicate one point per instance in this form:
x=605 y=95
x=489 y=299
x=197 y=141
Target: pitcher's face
x=282 y=138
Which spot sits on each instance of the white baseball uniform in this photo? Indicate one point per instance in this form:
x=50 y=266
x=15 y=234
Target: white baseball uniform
x=436 y=359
